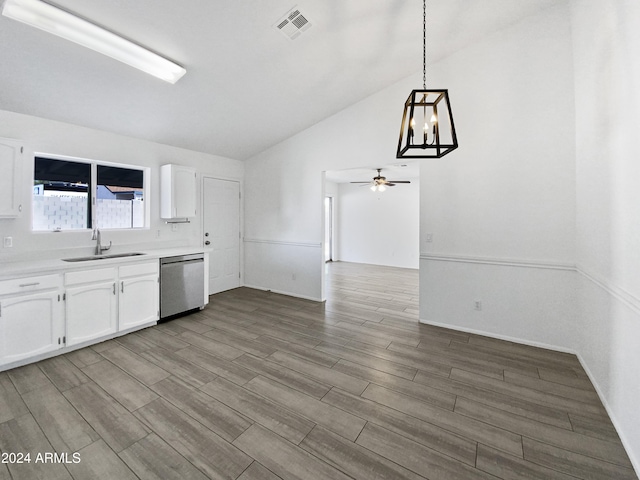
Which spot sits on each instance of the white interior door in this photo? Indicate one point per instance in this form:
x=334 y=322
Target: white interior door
x=222 y=232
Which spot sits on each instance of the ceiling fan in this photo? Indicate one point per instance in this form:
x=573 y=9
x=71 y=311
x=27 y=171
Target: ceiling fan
x=380 y=183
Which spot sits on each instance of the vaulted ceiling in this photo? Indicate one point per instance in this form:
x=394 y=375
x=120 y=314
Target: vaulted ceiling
x=247 y=86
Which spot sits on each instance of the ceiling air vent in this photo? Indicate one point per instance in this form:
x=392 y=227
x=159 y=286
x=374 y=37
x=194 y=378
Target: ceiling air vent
x=293 y=24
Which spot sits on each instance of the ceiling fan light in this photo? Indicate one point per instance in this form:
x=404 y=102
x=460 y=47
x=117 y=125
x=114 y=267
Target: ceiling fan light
x=374 y=188
x=381 y=188
x=58 y=22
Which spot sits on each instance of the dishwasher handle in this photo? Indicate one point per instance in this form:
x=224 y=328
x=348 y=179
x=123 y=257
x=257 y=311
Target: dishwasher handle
x=182 y=259
x=185 y=262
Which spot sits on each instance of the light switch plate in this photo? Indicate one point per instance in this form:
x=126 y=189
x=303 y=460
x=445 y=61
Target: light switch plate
x=8 y=242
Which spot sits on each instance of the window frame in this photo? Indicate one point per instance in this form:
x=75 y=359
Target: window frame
x=92 y=190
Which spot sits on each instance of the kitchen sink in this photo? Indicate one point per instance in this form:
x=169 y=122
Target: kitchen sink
x=102 y=257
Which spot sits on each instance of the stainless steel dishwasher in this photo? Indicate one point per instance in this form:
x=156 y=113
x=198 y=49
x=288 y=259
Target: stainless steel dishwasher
x=181 y=284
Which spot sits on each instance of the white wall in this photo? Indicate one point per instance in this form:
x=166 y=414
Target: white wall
x=285 y=189
x=535 y=215
x=508 y=192
x=543 y=227
x=379 y=228
x=331 y=188
x=45 y=136
x=501 y=209
x=606 y=43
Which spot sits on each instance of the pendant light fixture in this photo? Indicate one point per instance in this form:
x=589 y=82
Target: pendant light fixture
x=427 y=129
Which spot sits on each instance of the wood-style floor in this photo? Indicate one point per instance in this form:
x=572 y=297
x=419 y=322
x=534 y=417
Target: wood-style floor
x=263 y=386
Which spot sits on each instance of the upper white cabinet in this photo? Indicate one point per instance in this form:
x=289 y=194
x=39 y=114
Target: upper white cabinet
x=11 y=152
x=177 y=191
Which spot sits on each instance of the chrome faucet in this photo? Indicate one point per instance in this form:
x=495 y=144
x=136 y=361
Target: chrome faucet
x=99 y=247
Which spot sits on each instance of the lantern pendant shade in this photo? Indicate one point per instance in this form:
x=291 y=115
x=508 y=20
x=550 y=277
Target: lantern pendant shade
x=427 y=129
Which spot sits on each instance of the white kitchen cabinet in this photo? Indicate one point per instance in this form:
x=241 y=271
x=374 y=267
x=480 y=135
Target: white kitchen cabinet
x=103 y=301
x=177 y=191
x=78 y=305
x=31 y=317
x=139 y=296
x=91 y=305
x=11 y=152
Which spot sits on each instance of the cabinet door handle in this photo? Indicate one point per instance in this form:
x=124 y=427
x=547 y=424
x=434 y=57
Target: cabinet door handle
x=22 y=285
x=122 y=287
x=114 y=288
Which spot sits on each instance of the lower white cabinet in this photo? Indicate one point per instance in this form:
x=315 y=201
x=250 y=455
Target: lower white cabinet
x=91 y=312
x=139 y=300
x=41 y=314
x=103 y=301
x=31 y=317
x=91 y=305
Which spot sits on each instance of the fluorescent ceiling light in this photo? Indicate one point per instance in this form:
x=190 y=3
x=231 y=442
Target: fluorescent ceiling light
x=63 y=24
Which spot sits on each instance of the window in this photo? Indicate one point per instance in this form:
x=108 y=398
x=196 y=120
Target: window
x=73 y=195
x=119 y=194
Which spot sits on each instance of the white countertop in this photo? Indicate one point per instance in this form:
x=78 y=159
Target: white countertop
x=26 y=268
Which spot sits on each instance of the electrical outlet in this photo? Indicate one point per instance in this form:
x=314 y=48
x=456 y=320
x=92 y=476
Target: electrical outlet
x=293 y=276
x=8 y=242
x=477 y=305
x=429 y=237
x=174 y=227
x=158 y=234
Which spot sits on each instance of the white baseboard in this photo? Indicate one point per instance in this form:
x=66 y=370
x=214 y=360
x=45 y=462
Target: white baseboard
x=507 y=338
x=282 y=292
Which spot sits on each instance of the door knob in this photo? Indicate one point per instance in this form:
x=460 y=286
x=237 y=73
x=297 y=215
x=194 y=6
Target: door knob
x=207 y=242
x=206 y=234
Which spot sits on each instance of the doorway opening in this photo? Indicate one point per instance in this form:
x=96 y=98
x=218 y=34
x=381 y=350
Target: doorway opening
x=372 y=239
x=373 y=226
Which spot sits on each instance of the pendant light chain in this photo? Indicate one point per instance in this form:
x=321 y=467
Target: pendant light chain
x=424 y=44
x=436 y=136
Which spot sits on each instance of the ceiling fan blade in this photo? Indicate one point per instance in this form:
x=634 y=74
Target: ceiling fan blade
x=389 y=184
x=400 y=181
x=360 y=182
